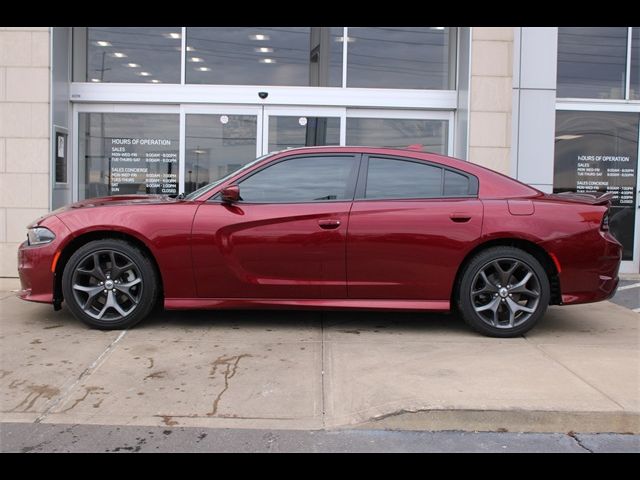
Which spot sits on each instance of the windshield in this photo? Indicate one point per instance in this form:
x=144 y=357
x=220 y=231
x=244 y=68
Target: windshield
x=209 y=186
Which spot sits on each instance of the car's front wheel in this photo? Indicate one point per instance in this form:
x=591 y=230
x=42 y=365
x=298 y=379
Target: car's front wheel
x=503 y=292
x=109 y=284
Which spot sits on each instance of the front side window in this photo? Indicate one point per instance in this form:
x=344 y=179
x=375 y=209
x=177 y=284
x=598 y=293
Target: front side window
x=304 y=179
x=390 y=178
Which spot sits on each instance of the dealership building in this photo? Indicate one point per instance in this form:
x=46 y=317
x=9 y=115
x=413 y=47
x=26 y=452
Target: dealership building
x=94 y=111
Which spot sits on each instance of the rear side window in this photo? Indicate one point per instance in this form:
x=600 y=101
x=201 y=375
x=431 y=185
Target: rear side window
x=390 y=178
x=455 y=184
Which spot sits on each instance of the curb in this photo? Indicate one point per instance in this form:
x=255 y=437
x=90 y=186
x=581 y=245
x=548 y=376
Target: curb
x=506 y=421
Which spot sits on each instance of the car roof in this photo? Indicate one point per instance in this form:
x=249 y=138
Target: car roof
x=492 y=184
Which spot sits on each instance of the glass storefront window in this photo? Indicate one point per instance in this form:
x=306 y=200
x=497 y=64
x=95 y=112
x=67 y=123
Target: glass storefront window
x=592 y=62
x=127 y=54
x=598 y=152
x=634 y=88
x=399 y=133
x=401 y=57
x=128 y=153
x=291 y=132
x=217 y=145
x=302 y=56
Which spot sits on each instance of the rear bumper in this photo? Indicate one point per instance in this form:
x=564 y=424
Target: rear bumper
x=592 y=274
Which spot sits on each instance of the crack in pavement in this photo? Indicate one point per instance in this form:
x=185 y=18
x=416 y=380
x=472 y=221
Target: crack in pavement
x=230 y=365
x=575 y=436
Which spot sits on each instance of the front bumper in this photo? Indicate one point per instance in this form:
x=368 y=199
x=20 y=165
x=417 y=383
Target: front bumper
x=35 y=264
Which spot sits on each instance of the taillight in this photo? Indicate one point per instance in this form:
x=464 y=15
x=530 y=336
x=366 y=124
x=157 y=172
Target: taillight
x=604 y=225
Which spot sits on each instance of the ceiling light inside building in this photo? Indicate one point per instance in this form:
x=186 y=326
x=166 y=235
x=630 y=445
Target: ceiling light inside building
x=190 y=49
x=173 y=35
x=132 y=65
x=103 y=43
x=155 y=81
x=349 y=39
x=95 y=80
x=195 y=59
x=119 y=55
x=259 y=36
x=264 y=49
x=144 y=74
x=203 y=69
x=437 y=28
x=267 y=60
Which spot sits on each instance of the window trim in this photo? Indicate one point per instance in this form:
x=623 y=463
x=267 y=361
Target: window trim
x=474 y=185
x=350 y=187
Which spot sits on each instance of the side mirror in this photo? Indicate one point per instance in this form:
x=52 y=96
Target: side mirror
x=230 y=194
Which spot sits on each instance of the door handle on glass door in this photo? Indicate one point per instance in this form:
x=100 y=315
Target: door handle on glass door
x=329 y=224
x=460 y=217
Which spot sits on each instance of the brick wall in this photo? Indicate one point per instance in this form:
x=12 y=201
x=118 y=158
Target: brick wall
x=24 y=136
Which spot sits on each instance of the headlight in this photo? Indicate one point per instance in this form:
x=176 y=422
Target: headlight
x=39 y=236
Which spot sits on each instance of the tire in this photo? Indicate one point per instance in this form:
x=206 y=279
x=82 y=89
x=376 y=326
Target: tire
x=129 y=288
x=497 y=310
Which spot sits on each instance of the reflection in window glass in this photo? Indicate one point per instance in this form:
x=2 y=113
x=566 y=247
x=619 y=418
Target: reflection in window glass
x=455 y=184
x=398 y=133
x=598 y=152
x=304 y=56
x=401 y=57
x=634 y=92
x=128 y=153
x=311 y=179
x=217 y=145
x=291 y=132
x=133 y=54
x=388 y=178
x=592 y=62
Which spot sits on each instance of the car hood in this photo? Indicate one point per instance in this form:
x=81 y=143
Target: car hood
x=115 y=200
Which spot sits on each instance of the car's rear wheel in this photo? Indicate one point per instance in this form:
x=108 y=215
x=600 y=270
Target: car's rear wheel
x=109 y=284
x=503 y=292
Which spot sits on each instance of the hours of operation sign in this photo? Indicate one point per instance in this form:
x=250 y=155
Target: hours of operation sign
x=597 y=152
x=143 y=165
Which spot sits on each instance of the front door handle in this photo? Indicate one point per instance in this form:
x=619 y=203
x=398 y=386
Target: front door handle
x=329 y=224
x=460 y=217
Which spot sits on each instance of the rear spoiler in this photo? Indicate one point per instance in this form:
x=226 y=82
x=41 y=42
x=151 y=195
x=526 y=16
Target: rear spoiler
x=590 y=198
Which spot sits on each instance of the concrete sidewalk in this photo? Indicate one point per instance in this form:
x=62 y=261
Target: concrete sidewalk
x=579 y=370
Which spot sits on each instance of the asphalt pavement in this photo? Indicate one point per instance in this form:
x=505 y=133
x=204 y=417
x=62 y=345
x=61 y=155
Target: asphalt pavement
x=37 y=438
x=628 y=294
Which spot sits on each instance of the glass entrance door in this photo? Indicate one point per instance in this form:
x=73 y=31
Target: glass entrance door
x=220 y=139
x=291 y=127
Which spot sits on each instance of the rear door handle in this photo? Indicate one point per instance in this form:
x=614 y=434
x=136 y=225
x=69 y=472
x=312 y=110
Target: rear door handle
x=329 y=224
x=460 y=217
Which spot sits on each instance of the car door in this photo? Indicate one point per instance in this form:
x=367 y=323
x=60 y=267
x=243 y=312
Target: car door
x=286 y=238
x=410 y=227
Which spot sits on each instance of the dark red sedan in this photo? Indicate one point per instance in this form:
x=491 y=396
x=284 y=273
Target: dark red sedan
x=329 y=228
